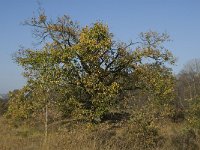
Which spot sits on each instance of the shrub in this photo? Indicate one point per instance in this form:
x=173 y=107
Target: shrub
x=185 y=140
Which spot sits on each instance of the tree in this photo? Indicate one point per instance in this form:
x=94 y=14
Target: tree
x=189 y=80
x=91 y=72
x=188 y=87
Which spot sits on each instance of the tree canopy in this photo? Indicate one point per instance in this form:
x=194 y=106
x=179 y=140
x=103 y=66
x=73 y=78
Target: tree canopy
x=85 y=73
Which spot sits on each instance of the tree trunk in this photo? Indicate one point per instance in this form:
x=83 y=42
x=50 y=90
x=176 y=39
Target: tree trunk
x=46 y=122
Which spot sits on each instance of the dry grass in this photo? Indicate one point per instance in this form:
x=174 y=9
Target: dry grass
x=14 y=139
x=85 y=136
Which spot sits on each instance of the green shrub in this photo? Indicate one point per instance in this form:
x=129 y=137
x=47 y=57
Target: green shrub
x=185 y=140
x=3 y=107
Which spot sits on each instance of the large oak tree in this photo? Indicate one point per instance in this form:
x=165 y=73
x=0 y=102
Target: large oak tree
x=89 y=71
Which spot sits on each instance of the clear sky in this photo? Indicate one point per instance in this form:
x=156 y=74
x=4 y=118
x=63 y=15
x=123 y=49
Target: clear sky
x=126 y=19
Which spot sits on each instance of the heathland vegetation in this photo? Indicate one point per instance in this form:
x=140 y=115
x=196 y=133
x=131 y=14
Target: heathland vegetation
x=87 y=91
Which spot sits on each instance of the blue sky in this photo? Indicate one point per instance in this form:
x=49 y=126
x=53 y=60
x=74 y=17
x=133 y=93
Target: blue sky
x=126 y=19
